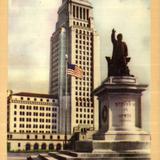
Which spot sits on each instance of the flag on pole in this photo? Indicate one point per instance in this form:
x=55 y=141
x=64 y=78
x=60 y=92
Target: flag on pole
x=75 y=71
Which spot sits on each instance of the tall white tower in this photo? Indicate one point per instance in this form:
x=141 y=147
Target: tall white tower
x=75 y=36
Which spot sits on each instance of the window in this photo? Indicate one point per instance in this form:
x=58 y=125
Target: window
x=80 y=12
x=84 y=13
x=73 y=11
x=15 y=106
x=19 y=144
x=28 y=136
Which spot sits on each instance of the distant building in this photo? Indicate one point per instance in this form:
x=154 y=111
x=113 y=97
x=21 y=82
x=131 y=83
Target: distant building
x=32 y=113
x=32 y=122
x=76 y=37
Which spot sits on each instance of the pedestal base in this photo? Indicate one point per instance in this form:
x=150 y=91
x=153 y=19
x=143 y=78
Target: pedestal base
x=121 y=135
x=117 y=146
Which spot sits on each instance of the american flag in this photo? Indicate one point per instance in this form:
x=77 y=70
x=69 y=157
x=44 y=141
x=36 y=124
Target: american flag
x=74 y=70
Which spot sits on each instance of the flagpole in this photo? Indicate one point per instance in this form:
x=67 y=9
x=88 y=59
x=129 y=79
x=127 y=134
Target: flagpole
x=66 y=95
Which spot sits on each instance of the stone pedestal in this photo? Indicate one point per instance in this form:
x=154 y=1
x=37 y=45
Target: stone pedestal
x=119 y=119
x=120 y=109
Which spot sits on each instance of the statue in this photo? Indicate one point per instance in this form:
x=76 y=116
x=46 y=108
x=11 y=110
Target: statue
x=117 y=66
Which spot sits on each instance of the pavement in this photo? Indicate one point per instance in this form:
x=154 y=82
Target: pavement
x=21 y=156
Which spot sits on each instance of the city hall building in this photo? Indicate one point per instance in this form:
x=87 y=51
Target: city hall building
x=32 y=122
x=76 y=37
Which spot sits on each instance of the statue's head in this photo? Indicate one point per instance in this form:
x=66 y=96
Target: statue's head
x=119 y=37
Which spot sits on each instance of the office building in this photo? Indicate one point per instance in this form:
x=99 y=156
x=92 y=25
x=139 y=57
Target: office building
x=76 y=37
x=32 y=122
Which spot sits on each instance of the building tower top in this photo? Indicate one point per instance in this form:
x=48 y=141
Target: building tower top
x=77 y=1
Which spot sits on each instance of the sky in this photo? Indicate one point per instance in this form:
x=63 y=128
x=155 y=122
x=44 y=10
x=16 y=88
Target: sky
x=32 y=22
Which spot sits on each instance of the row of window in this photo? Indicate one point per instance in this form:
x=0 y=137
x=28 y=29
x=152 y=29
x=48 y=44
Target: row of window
x=10 y=136
x=36 y=131
x=78 y=109
x=83 y=53
x=82 y=88
x=36 y=114
x=35 y=108
x=84 y=116
x=84 y=83
x=81 y=24
x=84 y=99
x=85 y=58
x=84 y=62
x=82 y=93
x=84 y=121
x=35 y=99
x=84 y=42
x=80 y=13
x=80 y=104
x=84 y=47
x=35 y=126
x=84 y=32
x=84 y=37
x=35 y=120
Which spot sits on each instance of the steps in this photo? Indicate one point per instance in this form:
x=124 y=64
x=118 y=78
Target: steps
x=70 y=155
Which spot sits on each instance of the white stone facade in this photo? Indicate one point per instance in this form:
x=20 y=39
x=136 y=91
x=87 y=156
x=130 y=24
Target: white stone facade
x=32 y=113
x=33 y=122
x=34 y=142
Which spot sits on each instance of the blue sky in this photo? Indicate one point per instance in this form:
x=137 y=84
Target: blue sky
x=32 y=22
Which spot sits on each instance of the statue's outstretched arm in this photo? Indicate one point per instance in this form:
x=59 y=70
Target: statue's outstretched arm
x=113 y=36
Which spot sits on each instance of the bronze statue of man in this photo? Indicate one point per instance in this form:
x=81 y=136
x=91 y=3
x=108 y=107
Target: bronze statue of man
x=120 y=51
x=117 y=65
